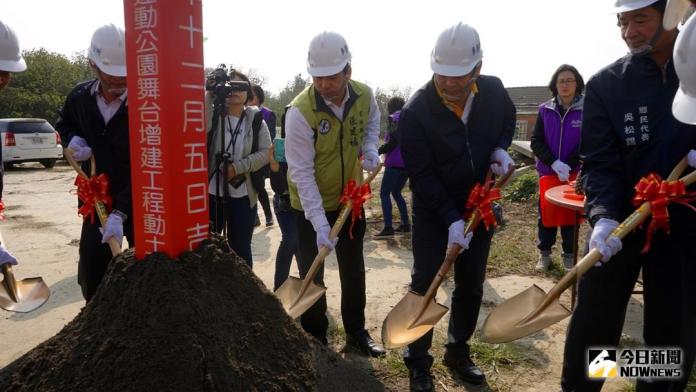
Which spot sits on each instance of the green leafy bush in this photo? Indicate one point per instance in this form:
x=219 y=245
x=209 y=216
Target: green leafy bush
x=522 y=188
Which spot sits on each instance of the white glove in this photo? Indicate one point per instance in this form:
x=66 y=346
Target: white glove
x=81 y=151
x=691 y=158
x=501 y=162
x=561 y=169
x=113 y=228
x=456 y=235
x=608 y=245
x=323 y=238
x=370 y=161
x=6 y=257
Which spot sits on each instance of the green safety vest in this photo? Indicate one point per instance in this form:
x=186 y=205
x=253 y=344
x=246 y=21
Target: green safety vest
x=336 y=143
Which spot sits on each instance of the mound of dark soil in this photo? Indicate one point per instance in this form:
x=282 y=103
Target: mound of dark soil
x=201 y=323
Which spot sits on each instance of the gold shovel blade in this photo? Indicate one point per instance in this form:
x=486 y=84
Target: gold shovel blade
x=30 y=293
x=401 y=326
x=510 y=320
x=288 y=294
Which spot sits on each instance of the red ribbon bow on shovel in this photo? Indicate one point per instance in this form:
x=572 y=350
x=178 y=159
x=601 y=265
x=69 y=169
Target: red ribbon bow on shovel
x=91 y=190
x=659 y=193
x=480 y=198
x=358 y=195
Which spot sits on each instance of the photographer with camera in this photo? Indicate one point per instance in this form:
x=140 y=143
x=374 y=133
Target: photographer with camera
x=238 y=143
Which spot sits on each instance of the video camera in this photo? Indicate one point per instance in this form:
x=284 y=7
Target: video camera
x=218 y=81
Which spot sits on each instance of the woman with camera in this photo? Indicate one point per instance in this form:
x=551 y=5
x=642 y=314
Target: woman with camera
x=238 y=144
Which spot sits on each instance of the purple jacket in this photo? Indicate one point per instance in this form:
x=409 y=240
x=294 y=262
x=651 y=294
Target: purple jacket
x=393 y=157
x=561 y=134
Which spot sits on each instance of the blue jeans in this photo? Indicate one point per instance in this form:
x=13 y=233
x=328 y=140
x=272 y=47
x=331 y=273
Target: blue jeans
x=393 y=182
x=239 y=221
x=288 y=243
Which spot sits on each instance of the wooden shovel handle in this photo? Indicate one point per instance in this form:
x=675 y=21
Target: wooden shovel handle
x=453 y=251
x=99 y=206
x=628 y=225
x=335 y=229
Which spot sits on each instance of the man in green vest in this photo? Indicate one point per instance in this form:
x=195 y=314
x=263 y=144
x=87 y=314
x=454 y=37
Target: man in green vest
x=327 y=126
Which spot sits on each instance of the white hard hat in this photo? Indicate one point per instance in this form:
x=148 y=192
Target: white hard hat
x=457 y=51
x=674 y=13
x=10 y=57
x=684 y=106
x=328 y=54
x=630 y=5
x=108 y=50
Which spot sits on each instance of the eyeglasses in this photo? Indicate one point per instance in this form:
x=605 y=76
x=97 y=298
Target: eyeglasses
x=565 y=81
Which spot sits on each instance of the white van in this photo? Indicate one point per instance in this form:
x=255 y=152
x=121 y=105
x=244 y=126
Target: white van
x=29 y=140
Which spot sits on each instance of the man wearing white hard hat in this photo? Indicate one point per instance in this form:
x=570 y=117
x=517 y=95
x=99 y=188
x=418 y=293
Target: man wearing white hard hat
x=326 y=127
x=11 y=61
x=629 y=132
x=675 y=12
x=94 y=121
x=684 y=106
x=452 y=132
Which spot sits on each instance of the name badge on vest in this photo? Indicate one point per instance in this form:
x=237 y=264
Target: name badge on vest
x=324 y=126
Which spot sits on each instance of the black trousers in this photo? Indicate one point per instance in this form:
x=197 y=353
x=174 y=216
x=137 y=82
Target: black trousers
x=95 y=256
x=547 y=236
x=351 y=270
x=429 y=247
x=669 y=295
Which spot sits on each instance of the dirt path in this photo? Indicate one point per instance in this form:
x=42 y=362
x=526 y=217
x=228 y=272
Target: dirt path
x=42 y=229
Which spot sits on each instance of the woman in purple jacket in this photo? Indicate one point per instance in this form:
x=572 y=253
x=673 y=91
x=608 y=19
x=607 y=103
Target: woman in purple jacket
x=395 y=176
x=555 y=144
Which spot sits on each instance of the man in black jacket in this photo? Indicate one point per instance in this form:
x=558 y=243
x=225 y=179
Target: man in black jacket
x=11 y=61
x=450 y=132
x=94 y=119
x=628 y=132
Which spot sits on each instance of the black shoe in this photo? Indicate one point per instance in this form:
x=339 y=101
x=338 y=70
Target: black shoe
x=464 y=368
x=403 y=228
x=363 y=342
x=257 y=222
x=269 y=222
x=420 y=380
x=387 y=232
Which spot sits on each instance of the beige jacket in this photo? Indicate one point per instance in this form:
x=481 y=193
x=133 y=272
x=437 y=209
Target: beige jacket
x=250 y=162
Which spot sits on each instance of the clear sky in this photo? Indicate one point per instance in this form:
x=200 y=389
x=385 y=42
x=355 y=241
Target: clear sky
x=523 y=41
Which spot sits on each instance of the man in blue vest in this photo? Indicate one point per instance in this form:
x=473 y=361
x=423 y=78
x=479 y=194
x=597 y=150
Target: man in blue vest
x=327 y=126
x=628 y=132
x=451 y=132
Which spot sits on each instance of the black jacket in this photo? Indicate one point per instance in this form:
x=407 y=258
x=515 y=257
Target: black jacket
x=80 y=116
x=628 y=131
x=444 y=158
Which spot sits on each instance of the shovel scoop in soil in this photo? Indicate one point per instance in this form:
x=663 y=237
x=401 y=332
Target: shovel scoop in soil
x=533 y=310
x=24 y=295
x=298 y=295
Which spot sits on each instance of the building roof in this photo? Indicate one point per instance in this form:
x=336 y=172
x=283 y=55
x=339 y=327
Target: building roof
x=528 y=98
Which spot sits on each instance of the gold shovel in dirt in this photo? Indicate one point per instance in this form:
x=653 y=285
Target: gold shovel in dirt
x=297 y=295
x=24 y=295
x=533 y=310
x=417 y=314
x=99 y=206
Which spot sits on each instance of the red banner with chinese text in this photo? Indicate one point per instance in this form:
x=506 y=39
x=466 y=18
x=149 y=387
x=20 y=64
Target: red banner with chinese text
x=164 y=46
